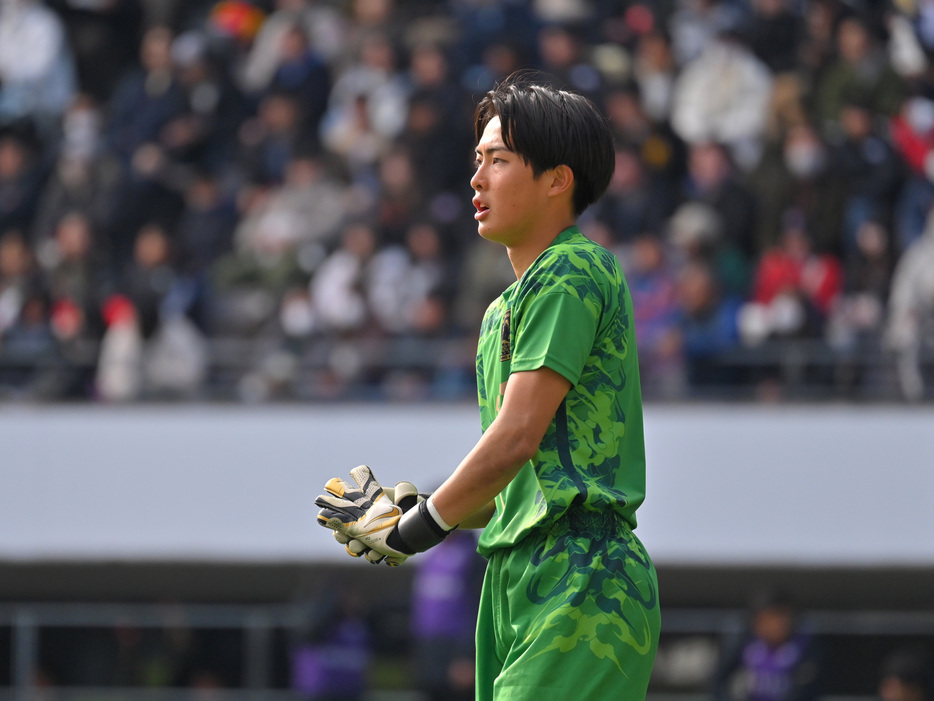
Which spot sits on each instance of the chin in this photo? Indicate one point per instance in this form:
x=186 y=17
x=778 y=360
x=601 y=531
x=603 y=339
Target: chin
x=491 y=234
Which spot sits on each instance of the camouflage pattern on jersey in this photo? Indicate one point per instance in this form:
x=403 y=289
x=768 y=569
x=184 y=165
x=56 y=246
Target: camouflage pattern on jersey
x=570 y=311
x=562 y=549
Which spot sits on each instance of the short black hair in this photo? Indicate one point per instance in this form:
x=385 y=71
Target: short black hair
x=549 y=127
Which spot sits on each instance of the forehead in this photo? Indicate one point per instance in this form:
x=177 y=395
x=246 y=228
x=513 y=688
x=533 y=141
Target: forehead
x=492 y=135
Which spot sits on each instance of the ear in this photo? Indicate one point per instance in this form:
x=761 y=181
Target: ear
x=562 y=181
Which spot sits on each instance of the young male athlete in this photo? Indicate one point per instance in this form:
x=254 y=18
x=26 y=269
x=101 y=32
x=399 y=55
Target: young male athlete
x=569 y=607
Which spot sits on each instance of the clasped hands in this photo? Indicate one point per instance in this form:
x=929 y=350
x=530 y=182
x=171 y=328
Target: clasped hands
x=365 y=516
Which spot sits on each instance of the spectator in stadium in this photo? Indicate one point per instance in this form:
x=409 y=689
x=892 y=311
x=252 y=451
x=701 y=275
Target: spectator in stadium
x=858 y=315
x=37 y=72
x=661 y=151
x=655 y=73
x=707 y=326
x=794 y=290
x=869 y=168
x=302 y=72
x=339 y=285
x=85 y=177
x=267 y=142
x=75 y=265
x=636 y=202
x=104 y=36
x=399 y=199
x=723 y=96
x=562 y=56
x=374 y=83
x=16 y=266
x=776 y=659
x=202 y=236
x=29 y=349
x=712 y=180
x=694 y=24
x=21 y=175
x=774 y=33
x=146 y=281
x=282 y=234
x=912 y=132
x=860 y=72
x=409 y=285
x=433 y=132
x=202 y=134
x=796 y=172
x=147 y=98
x=817 y=47
x=323 y=25
x=910 y=318
x=653 y=284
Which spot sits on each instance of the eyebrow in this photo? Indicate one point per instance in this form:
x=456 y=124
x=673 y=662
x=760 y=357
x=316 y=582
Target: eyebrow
x=490 y=149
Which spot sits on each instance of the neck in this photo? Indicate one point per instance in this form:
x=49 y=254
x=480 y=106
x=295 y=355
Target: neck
x=522 y=255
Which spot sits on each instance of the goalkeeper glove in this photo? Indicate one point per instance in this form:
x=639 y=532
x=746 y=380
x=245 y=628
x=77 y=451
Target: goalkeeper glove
x=369 y=516
x=404 y=495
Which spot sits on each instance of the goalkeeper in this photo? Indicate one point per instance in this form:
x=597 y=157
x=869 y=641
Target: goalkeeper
x=569 y=606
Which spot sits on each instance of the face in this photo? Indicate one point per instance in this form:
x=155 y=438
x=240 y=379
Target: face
x=508 y=198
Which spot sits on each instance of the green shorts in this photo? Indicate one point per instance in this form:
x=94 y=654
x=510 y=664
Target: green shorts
x=570 y=613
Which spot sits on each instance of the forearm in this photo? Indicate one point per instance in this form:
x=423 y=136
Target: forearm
x=479 y=518
x=466 y=497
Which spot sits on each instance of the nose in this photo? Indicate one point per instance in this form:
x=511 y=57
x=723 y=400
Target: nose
x=476 y=181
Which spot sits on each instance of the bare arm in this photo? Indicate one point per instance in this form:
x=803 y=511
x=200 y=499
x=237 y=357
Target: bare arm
x=529 y=405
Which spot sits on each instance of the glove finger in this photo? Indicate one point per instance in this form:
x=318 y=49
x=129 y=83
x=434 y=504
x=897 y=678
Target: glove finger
x=342 y=538
x=351 y=511
x=364 y=477
x=395 y=561
x=335 y=519
x=374 y=557
x=356 y=548
x=344 y=490
x=404 y=494
x=353 y=551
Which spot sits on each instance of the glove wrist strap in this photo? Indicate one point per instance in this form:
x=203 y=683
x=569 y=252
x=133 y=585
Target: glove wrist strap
x=430 y=502
x=418 y=530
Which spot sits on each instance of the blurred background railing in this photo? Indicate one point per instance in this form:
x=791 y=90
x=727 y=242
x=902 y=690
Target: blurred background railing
x=251 y=644
x=256 y=370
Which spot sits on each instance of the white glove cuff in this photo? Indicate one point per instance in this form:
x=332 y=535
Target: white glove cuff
x=435 y=515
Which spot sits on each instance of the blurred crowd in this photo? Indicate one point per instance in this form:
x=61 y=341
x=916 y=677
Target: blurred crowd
x=292 y=176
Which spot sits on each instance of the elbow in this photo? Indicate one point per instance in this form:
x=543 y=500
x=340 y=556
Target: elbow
x=524 y=447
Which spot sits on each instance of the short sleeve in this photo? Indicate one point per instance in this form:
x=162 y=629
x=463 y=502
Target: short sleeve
x=556 y=331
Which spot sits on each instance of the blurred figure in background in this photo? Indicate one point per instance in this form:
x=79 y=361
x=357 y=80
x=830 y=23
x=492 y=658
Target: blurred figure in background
x=37 y=72
x=331 y=656
x=774 y=661
x=21 y=174
x=146 y=98
x=85 y=176
x=795 y=288
x=910 y=319
x=444 y=617
x=707 y=326
x=723 y=96
x=653 y=284
x=906 y=676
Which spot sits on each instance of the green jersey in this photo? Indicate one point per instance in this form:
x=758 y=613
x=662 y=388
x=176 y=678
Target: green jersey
x=570 y=312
